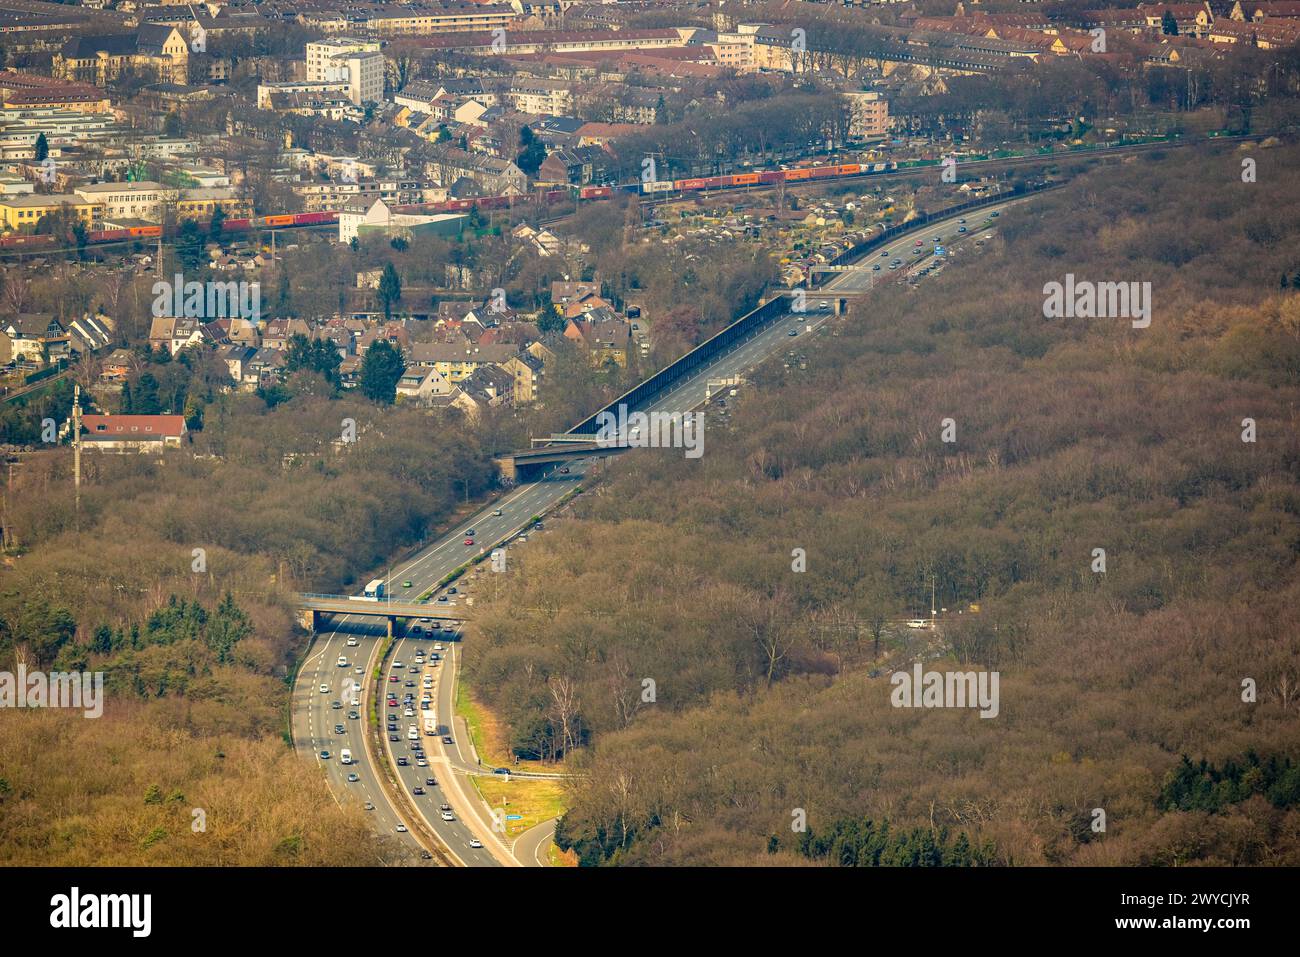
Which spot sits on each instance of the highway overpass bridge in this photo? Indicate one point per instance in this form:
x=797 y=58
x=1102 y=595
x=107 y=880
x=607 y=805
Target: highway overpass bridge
x=313 y=606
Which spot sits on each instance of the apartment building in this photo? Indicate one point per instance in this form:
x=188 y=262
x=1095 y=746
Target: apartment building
x=357 y=63
x=545 y=97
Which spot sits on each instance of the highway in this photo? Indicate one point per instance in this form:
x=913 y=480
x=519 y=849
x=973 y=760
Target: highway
x=313 y=715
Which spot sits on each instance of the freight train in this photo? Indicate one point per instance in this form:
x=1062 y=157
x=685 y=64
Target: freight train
x=763 y=178
x=141 y=233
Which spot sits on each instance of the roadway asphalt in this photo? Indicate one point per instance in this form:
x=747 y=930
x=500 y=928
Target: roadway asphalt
x=313 y=716
x=863 y=276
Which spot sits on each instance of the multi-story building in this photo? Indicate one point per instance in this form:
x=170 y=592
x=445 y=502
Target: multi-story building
x=553 y=97
x=870 y=115
x=24 y=212
x=159 y=51
x=357 y=63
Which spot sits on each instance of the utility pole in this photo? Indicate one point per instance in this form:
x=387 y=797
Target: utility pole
x=76 y=444
x=934 y=612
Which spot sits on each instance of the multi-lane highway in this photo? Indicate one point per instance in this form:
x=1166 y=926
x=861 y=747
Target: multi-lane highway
x=315 y=718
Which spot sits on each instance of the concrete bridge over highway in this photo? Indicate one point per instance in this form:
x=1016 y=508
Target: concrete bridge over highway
x=313 y=606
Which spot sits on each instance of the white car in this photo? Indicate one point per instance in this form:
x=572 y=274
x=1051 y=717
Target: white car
x=448 y=816
x=356 y=702
x=437 y=647
x=324 y=689
x=401 y=828
x=342 y=662
x=352 y=642
x=475 y=842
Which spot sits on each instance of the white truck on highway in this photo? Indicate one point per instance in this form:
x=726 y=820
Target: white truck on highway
x=345 y=756
x=431 y=725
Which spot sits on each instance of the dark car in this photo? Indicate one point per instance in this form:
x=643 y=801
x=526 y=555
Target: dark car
x=324 y=755
x=417 y=790
x=432 y=782
x=446 y=739
x=425 y=855
x=564 y=471
x=451 y=590
x=392 y=726
x=500 y=770
x=394 y=737
x=402 y=761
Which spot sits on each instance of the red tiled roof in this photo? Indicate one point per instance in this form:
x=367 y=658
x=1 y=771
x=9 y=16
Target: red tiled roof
x=133 y=426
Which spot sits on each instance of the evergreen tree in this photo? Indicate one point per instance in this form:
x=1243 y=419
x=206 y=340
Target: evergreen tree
x=380 y=370
x=42 y=148
x=390 y=289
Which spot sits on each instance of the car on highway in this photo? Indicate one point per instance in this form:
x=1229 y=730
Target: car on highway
x=448 y=816
x=425 y=620
x=410 y=684
x=398 y=664
x=431 y=782
x=961 y=221
x=453 y=590
x=324 y=755
x=358 y=671
x=420 y=762
x=409 y=713
x=392 y=678
x=336 y=705
x=406 y=584
x=443 y=599
x=961 y=229
x=402 y=761
x=342 y=662
x=876 y=268
x=917 y=243
x=339 y=729
x=823 y=304
x=475 y=842
x=352 y=642
x=437 y=647
x=368 y=806
x=497 y=512
x=394 y=737
x=469 y=541
x=324 y=689
x=793 y=332
x=994 y=215
x=392 y=726
x=500 y=770
x=446 y=739
x=401 y=828
x=417 y=790
x=425 y=855
x=565 y=470
x=355 y=702
x=884 y=252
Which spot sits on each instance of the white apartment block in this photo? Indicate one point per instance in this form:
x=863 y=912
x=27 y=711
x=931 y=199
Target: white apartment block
x=357 y=63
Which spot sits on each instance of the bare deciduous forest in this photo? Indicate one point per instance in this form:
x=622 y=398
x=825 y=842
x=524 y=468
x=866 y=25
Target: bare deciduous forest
x=771 y=687
x=198 y=664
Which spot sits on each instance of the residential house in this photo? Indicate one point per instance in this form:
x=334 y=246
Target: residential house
x=132 y=433
x=34 y=337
